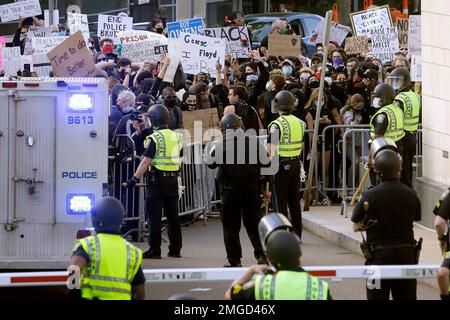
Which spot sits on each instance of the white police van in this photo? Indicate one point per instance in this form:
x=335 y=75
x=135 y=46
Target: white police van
x=53 y=166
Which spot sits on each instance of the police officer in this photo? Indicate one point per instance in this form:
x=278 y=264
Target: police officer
x=387 y=212
x=239 y=158
x=110 y=266
x=409 y=102
x=289 y=281
x=285 y=141
x=388 y=120
x=442 y=212
x=162 y=159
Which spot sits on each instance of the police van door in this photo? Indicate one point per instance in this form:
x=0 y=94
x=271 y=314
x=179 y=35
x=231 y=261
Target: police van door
x=32 y=155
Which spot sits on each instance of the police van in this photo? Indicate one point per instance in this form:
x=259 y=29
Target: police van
x=53 y=166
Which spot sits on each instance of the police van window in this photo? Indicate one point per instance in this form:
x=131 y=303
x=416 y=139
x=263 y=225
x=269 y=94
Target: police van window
x=297 y=28
x=310 y=24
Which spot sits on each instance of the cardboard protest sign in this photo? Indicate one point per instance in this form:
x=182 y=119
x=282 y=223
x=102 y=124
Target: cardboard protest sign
x=416 y=68
x=415 y=36
x=72 y=58
x=201 y=53
x=284 y=45
x=385 y=45
x=2 y=44
x=22 y=9
x=45 y=44
x=237 y=40
x=11 y=60
x=169 y=76
x=140 y=46
x=402 y=27
x=206 y=119
x=35 y=32
x=193 y=26
x=338 y=33
x=355 y=45
x=78 y=22
x=365 y=23
x=110 y=26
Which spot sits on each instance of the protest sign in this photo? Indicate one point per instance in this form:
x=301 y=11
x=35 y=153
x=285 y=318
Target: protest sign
x=172 y=69
x=355 y=45
x=414 y=36
x=284 y=45
x=72 y=58
x=110 y=26
x=237 y=40
x=21 y=9
x=416 y=68
x=402 y=27
x=193 y=26
x=78 y=22
x=201 y=53
x=11 y=60
x=35 y=32
x=365 y=23
x=45 y=44
x=206 y=119
x=2 y=44
x=41 y=65
x=140 y=46
x=338 y=33
x=385 y=45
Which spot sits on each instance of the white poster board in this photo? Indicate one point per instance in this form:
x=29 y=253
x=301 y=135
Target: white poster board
x=41 y=65
x=338 y=33
x=110 y=26
x=45 y=44
x=201 y=53
x=385 y=45
x=415 y=36
x=237 y=40
x=365 y=23
x=23 y=9
x=416 y=68
x=172 y=69
x=78 y=22
x=11 y=60
x=35 y=32
x=140 y=46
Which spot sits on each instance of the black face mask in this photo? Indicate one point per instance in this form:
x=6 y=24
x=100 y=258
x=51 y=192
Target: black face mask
x=159 y=30
x=170 y=103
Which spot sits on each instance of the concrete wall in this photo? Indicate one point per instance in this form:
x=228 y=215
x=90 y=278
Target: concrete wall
x=436 y=104
x=185 y=11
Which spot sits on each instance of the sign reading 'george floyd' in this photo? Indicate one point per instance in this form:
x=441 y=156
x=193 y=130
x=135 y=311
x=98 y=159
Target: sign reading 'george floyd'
x=237 y=40
x=365 y=23
x=72 y=58
x=201 y=53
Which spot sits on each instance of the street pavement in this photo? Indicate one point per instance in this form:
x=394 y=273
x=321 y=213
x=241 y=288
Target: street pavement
x=203 y=247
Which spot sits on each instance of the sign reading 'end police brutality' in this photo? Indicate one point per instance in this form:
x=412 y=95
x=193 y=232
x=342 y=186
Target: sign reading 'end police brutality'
x=110 y=26
x=192 y=26
x=201 y=53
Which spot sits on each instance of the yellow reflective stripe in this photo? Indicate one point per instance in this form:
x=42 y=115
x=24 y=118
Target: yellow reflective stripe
x=90 y=253
x=128 y=261
x=97 y=253
x=266 y=287
x=105 y=278
x=272 y=288
x=106 y=289
x=308 y=288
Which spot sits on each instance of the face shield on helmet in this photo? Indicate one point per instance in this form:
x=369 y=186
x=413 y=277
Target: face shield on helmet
x=376 y=101
x=382 y=143
x=395 y=82
x=271 y=222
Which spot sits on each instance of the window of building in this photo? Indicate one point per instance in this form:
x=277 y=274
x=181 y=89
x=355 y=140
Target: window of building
x=170 y=7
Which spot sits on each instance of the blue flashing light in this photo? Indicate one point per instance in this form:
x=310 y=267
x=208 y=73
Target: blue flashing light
x=80 y=203
x=80 y=102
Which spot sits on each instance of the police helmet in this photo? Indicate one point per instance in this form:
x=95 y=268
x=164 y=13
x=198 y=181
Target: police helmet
x=381 y=143
x=107 y=215
x=399 y=79
x=283 y=101
x=388 y=164
x=283 y=249
x=383 y=95
x=270 y=223
x=159 y=116
x=231 y=121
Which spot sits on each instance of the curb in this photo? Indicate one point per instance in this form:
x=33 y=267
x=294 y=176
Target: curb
x=347 y=240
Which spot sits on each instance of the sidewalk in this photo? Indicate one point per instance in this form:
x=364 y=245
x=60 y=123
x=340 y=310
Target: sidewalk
x=329 y=224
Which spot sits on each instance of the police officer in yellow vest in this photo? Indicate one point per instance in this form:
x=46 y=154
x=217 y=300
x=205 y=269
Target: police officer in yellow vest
x=409 y=102
x=110 y=266
x=285 y=141
x=388 y=120
x=162 y=159
x=442 y=212
x=286 y=280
